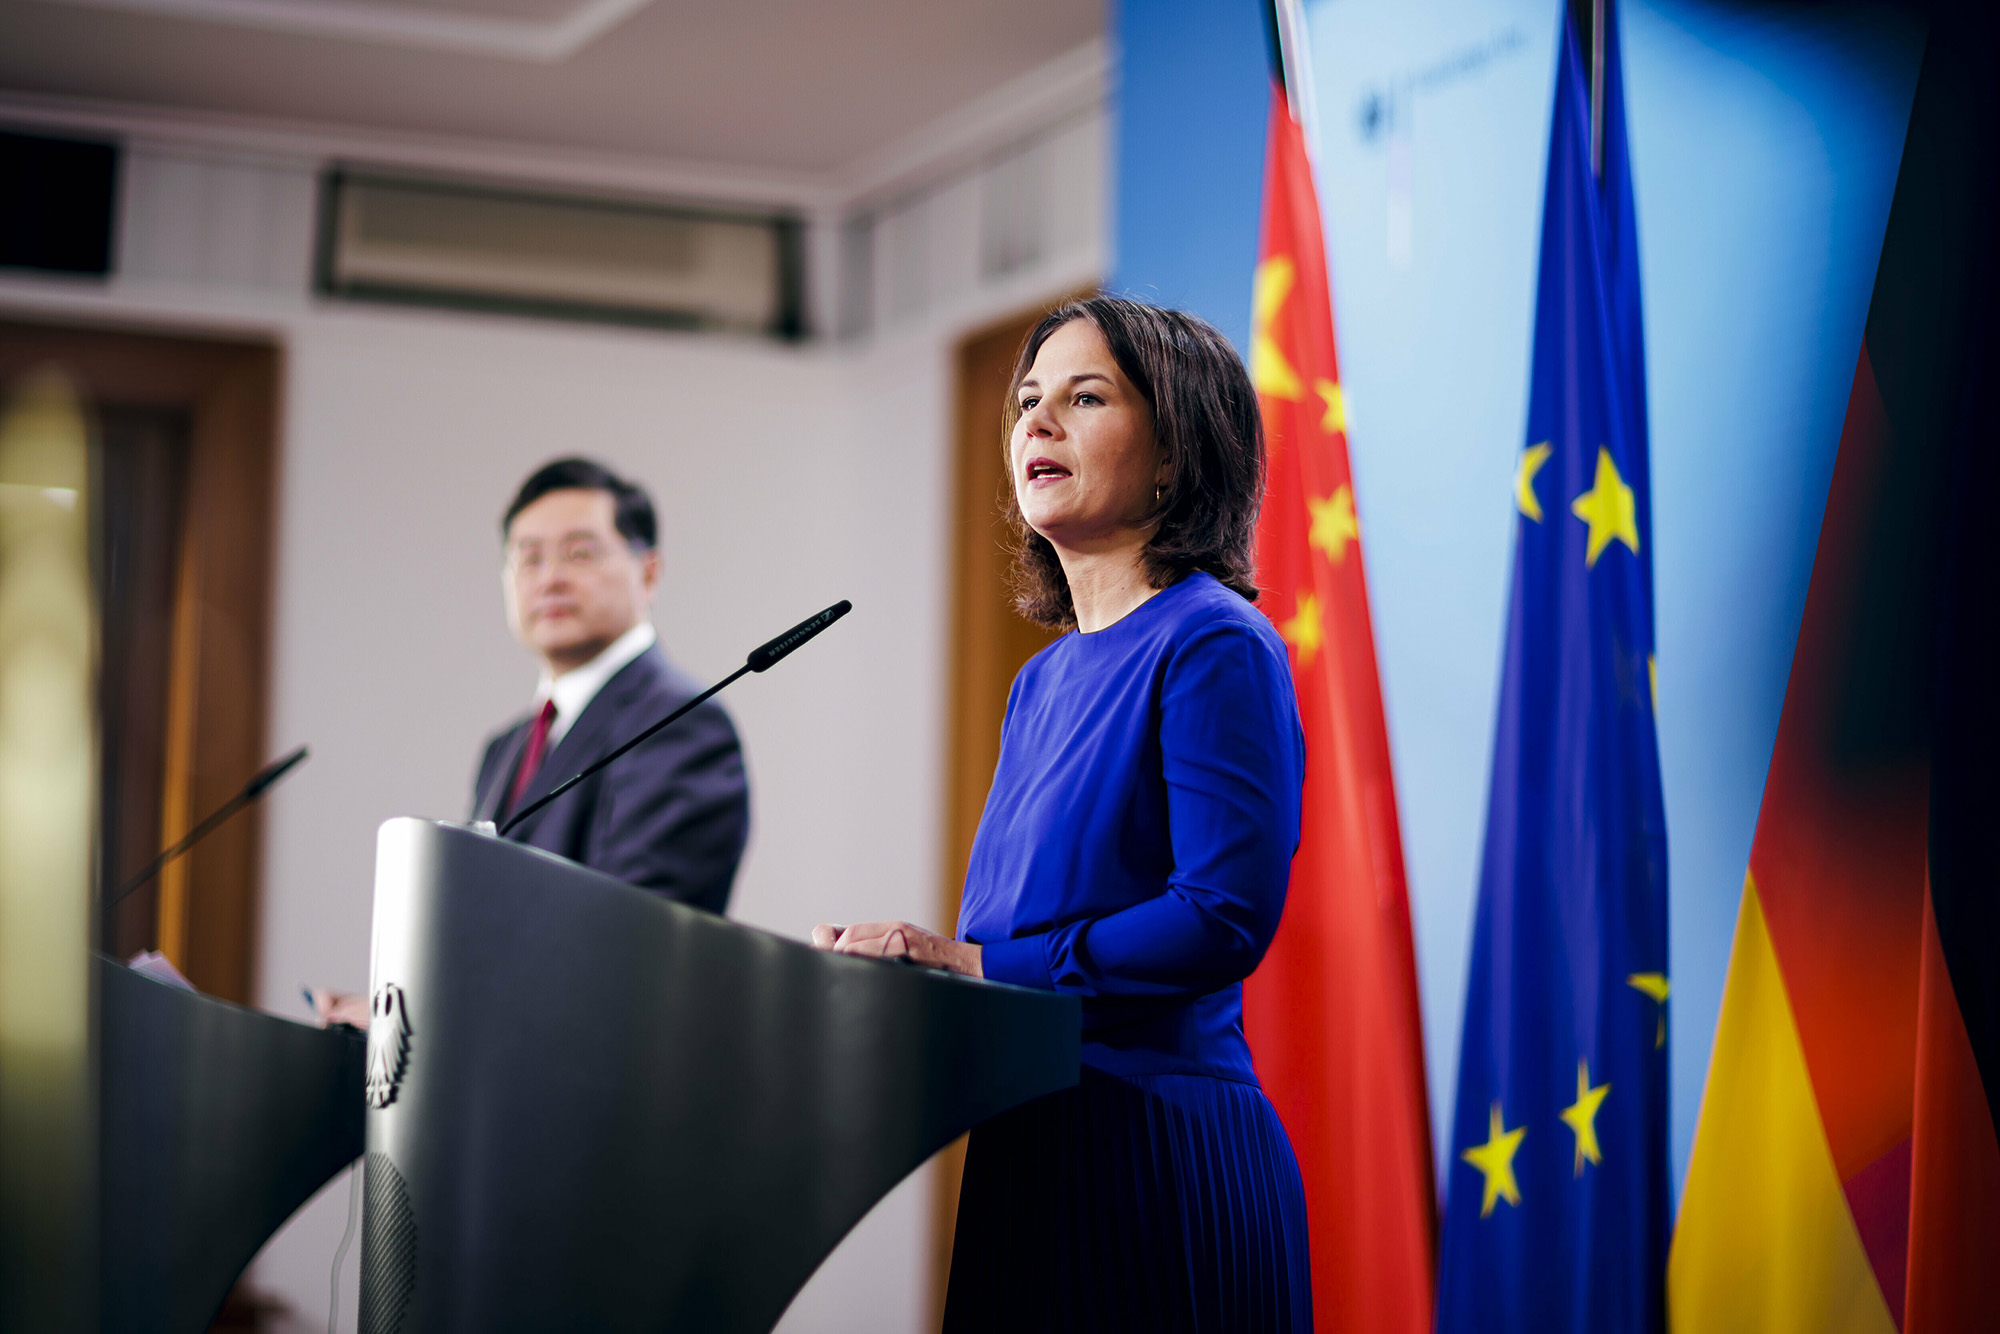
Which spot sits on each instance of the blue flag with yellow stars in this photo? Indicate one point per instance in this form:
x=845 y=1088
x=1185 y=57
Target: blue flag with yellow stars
x=1557 y=1206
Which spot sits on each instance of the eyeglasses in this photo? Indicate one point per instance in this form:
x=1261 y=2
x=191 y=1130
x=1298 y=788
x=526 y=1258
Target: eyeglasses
x=581 y=554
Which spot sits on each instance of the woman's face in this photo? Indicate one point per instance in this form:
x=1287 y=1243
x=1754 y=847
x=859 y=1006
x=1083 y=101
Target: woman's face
x=1084 y=460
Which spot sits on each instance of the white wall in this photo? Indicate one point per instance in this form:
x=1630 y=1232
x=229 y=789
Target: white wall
x=786 y=478
x=780 y=491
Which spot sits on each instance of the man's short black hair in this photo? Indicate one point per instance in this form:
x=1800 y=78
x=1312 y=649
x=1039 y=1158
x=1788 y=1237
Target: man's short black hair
x=631 y=507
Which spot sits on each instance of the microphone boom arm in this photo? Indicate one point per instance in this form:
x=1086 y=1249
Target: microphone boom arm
x=252 y=790
x=761 y=659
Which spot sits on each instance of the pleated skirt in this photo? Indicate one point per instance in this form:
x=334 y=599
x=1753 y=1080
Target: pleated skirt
x=1153 y=1202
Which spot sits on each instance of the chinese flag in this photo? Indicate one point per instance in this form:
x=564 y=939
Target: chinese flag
x=1332 y=1011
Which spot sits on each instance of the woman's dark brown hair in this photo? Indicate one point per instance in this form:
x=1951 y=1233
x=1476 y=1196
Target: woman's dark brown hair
x=1210 y=436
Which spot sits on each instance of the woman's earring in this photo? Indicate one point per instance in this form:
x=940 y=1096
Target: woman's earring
x=1158 y=492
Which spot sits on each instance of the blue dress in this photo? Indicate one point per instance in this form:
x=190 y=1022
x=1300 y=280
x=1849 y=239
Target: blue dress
x=1135 y=851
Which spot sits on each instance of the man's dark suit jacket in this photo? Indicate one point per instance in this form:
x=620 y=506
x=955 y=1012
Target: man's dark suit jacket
x=671 y=816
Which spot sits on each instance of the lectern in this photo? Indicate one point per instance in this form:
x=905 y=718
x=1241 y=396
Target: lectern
x=216 y=1122
x=594 y=1109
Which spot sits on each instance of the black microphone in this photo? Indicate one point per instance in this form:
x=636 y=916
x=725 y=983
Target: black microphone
x=255 y=788
x=761 y=659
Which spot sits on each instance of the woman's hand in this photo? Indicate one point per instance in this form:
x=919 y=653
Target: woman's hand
x=338 y=1007
x=900 y=940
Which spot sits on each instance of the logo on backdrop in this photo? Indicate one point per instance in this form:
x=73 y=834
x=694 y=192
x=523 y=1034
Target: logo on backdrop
x=388 y=1044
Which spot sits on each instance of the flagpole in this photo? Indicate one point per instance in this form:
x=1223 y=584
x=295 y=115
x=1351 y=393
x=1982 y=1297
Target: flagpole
x=1597 y=88
x=1287 y=23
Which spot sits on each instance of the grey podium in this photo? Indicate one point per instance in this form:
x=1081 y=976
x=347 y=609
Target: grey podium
x=594 y=1109
x=215 y=1123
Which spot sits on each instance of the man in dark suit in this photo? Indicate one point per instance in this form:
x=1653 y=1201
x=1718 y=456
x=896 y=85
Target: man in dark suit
x=581 y=564
x=580 y=567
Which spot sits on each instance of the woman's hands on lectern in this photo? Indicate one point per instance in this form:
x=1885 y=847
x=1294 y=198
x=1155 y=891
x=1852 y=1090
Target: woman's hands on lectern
x=900 y=940
x=338 y=1007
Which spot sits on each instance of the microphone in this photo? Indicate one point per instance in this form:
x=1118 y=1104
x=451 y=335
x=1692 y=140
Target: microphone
x=252 y=790
x=761 y=659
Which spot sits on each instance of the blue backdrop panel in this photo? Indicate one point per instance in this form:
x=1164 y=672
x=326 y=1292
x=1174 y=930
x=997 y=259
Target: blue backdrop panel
x=1193 y=94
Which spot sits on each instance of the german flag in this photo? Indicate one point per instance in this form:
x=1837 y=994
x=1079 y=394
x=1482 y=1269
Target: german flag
x=1846 y=1172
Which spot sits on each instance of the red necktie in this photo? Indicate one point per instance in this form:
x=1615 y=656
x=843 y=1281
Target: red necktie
x=531 y=758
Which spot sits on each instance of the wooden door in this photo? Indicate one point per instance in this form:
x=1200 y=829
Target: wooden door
x=184 y=471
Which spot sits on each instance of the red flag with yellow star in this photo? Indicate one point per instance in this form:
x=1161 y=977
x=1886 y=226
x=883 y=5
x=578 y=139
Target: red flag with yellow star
x=1332 y=1012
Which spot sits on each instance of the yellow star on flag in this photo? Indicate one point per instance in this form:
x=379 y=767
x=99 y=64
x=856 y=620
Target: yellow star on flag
x=1335 y=420
x=1654 y=985
x=1333 y=525
x=1525 y=499
x=1581 y=1116
x=1609 y=510
x=1269 y=371
x=1304 y=631
x=1495 y=1161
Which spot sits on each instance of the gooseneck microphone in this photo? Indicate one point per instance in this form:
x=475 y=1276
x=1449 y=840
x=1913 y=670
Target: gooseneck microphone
x=762 y=658
x=255 y=788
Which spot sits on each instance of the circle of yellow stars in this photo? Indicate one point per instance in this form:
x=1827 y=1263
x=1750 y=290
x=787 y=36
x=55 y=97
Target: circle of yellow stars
x=1611 y=512
x=1494 y=1159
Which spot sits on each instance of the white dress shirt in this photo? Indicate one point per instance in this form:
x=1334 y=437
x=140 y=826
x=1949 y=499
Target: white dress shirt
x=575 y=688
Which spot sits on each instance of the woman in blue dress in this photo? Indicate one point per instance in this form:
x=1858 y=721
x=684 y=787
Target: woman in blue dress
x=1134 y=851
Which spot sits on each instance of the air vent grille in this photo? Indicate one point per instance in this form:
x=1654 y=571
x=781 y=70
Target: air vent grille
x=447 y=244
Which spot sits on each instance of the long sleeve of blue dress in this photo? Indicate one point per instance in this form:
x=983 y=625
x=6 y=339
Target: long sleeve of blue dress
x=1137 y=843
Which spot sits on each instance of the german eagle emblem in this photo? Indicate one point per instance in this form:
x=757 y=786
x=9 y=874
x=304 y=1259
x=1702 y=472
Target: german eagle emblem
x=388 y=1044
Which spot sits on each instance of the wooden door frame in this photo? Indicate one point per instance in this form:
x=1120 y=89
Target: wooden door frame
x=219 y=678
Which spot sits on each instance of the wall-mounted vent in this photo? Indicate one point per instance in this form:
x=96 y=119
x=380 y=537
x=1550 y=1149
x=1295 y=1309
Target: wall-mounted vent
x=390 y=238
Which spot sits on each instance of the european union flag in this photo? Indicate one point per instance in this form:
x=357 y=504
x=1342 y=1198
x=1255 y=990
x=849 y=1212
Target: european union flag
x=1557 y=1209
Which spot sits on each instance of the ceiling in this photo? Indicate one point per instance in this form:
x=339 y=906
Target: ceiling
x=787 y=85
